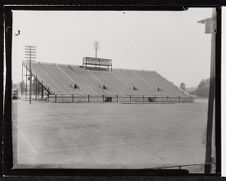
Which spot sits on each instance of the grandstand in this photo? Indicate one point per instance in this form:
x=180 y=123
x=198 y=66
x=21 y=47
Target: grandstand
x=73 y=83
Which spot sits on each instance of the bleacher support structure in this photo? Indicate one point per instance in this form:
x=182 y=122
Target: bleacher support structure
x=71 y=83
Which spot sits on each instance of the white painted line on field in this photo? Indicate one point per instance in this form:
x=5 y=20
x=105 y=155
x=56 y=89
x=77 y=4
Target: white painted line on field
x=29 y=144
x=26 y=140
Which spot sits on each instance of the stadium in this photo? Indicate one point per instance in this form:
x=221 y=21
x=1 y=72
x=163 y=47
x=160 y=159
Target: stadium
x=96 y=81
x=81 y=111
x=141 y=120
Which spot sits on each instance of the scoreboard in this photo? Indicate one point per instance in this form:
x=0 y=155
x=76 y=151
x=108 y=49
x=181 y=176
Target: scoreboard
x=101 y=63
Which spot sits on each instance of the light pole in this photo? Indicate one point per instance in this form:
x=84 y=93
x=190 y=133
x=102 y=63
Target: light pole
x=96 y=47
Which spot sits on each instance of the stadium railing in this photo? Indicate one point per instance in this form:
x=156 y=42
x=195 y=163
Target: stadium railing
x=118 y=98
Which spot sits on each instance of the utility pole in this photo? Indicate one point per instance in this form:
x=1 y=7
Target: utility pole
x=30 y=55
x=210 y=28
x=22 y=83
x=26 y=84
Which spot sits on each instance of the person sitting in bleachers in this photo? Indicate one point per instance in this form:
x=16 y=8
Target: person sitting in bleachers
x=105 y=87
x=134 y=88
x=158 y=89
x=76 y=86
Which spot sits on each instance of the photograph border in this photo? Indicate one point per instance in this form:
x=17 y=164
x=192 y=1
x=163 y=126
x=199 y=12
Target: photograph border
x=6 y=124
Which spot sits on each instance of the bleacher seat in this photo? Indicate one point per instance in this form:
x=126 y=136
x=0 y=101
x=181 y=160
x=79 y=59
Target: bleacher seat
x=61 y=79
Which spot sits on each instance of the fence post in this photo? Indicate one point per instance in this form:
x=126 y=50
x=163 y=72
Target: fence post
x=167 y=99
x=117 y=97
x=26 y=84
x=36 y=87
x=143 y=98
x=72 y=97
x=103 y=98
x=42 y=90
x=129 y=98
x=55 y=98
x=88 y=97
x=38 y=90
x=179 y=98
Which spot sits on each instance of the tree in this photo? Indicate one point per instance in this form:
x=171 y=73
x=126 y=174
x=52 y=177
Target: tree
x=203 y=88
x=39 y=86
x=22 y=87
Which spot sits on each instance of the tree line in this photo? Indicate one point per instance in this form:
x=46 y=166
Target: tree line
x=202 y=90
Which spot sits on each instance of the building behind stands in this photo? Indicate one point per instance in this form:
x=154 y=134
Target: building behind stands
x=96 y=81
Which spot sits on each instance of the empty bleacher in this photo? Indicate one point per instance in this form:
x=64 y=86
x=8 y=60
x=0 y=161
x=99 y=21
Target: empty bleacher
x=131 y=79
x=113 y=85
x=61 y=79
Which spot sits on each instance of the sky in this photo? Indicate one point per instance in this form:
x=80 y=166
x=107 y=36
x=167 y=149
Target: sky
x=171 y=43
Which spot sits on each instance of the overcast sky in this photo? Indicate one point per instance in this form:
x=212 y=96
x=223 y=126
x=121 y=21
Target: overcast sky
x=169 y=42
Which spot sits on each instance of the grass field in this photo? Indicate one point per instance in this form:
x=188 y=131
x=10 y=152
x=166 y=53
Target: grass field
x=109 y=135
